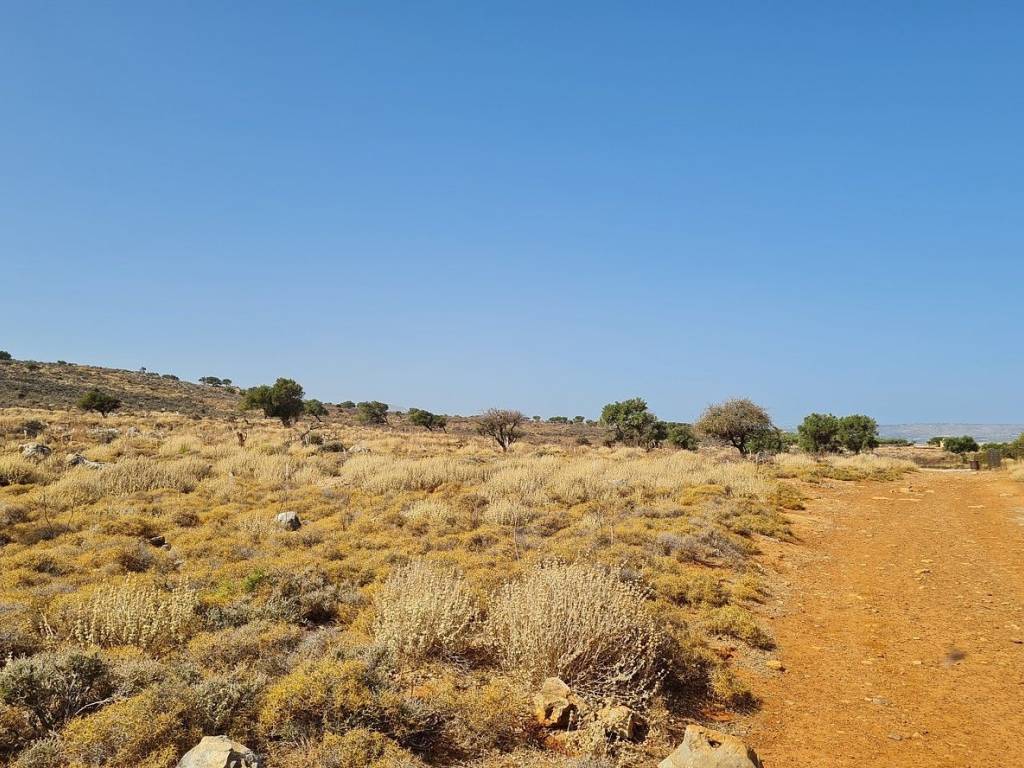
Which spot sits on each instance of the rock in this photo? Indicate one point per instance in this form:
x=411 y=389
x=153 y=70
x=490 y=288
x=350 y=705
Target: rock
x=555 y=706
x=619 y=723
x=219 y=752
x=359 y=449
x=78 y=460
x=774 y=664
x=288 y=520
x=35 y=451
x=157 y=541
x=705 y=748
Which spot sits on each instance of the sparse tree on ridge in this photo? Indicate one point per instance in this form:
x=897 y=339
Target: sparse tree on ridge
x=501 y=425
x=282 y=400
x=5 y=356
x=314 y=408
x=632 y=423
x=101 y=402
x=427 y=420
x=735 y=422
x=372 y=412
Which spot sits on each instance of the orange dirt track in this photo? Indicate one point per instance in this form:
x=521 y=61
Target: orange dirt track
x=901 y=627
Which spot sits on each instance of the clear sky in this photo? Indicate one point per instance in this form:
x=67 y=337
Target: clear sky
x=532 y=204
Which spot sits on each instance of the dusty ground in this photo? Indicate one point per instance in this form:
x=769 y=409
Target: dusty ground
x=901 y=628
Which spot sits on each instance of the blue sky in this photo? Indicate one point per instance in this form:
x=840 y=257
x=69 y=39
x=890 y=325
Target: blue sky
x=536 y=205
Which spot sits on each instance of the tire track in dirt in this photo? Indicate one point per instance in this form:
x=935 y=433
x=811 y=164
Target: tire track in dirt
x=902 y=632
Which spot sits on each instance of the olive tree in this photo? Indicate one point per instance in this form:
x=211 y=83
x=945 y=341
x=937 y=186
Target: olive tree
x=858 y=433
x=372 y=412
x=314 y=408
x=282 y=400
x=681 y=436
x=961 y=445
x=501 y=425
x=101 y=402
x=427 y=420
x=819 y=433
x=735 y=422
x=631 y=422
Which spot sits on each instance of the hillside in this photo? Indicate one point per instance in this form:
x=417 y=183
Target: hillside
x=30 y=384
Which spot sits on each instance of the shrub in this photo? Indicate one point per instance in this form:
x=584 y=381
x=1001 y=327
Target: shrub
x=582 y=624
x=314 y=408
x=819 y=433
x=427 y=420
x=32 y=428
x=960 y=445
x=307 y=597
x=734 y=621
x=424 y=610
x=55 y=686
x=858 y=433
x=128 y=613
x=346 y=404
x=5 y=356
x=632 y=423
x=317 y=695
x=148 y=729
x=356 y=748
x=102 y=403
x=502 y=426
x=372 y=412
x=281 y=401
x=681 y=436
x=734 y=422
x=14 y=470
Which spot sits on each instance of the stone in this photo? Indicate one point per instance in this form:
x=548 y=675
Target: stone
x=705 y=748
x=157 y=541
x=35 y=451
x=219 y=752
x=774 y=664
x=288 y=520
x=555 y=706
x=78 y=460
x=619 y=722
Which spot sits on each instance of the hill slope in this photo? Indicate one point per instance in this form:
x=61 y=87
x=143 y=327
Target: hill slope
x=58 y=385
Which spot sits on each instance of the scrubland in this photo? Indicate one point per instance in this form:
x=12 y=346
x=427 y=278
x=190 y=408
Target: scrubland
x=147 y=596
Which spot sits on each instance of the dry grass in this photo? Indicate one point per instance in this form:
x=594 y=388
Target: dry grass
x=582 y=624
x=863 y=466
x=433 y=582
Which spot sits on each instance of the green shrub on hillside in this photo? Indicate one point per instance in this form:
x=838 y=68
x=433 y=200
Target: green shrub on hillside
x=101 y=402
x=281 y=401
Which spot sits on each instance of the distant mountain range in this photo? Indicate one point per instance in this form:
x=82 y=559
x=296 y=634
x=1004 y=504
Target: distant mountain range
x=983 y=433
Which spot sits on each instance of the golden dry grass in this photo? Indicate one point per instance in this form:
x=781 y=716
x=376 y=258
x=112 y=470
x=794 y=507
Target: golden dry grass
x=411 y=603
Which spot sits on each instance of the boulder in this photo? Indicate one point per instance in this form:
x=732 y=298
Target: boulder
x=556 y=706
x=78 y=460
x=289 y=521
x=705 y=748
x=219 y=752
x=35 y=451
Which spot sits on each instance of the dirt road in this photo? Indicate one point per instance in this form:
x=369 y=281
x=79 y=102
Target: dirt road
x=901 y=628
